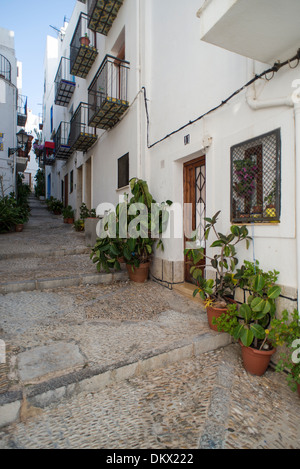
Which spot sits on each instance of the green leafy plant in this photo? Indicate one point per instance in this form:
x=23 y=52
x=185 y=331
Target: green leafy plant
x=9 y=214
x=86 y=213
x=255 y=315
x=224 y=263
x=68 y=212
x=285 y=332
x=78 y=225
x=39 y=188
x=139 y=250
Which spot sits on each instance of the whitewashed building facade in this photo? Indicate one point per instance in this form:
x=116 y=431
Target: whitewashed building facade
x=165 y=93
x=13 y=112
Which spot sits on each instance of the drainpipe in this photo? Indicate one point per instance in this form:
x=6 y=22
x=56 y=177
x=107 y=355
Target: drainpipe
x=289 y=102
x=138 y=81
x=297 y=144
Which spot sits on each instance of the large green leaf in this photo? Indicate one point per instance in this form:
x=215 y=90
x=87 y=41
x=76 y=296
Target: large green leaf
x=259 y=283
x=258 y=305
x=245 y=312
x=274 y=292
x=258 y=331
x=238 y=331
x=247 y=337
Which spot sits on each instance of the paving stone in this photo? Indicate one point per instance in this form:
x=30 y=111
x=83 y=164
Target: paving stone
x=50 y=359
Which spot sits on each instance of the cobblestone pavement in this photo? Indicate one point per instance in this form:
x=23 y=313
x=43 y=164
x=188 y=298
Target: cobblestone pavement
x=205 y=401
x=209 y=403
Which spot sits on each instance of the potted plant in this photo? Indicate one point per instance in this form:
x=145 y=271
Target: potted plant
x=287 y=335
x=250 y=323
x=84 y=40
x=138 y=250
x=68 y=215
x=78 y=225
x=217 y=292
x=90 y=220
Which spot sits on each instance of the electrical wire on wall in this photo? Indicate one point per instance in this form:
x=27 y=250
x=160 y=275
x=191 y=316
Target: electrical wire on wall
x=276 y=67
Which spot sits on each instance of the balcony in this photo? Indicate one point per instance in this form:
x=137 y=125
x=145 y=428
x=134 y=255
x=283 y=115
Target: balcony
x=263 y=30
x=64 y=83
x=102 y=14
x=21 y=110
x=61 y=139
x=108 y=93
x=5 y=68
x=82 y=135
x=48 y=154
x=83 y=50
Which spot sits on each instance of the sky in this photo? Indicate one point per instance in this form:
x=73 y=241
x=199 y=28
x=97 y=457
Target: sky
x=31 y=20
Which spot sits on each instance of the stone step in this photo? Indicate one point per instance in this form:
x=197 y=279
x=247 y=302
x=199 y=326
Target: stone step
x=60 y=282
x=39 y=396
x=187 y=290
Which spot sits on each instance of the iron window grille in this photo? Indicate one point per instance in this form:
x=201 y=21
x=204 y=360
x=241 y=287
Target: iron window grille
x=256 y=179
x=107 y=93
x=5 y=68
x=123 y=171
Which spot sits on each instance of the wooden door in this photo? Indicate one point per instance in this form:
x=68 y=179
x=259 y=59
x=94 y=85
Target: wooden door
x=194 y=183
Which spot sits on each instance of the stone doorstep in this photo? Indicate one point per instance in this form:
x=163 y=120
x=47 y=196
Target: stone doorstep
x=60 y=282
x=39 y=396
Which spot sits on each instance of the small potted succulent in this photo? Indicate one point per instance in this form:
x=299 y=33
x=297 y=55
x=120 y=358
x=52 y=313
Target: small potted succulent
x=218 y=292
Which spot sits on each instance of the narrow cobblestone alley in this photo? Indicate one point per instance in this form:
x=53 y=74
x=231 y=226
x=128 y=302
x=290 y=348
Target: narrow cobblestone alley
x=96 y=361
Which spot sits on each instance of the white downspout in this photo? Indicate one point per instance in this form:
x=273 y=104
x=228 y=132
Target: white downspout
x=297 y=144
x=138 y=80
x=277 y=102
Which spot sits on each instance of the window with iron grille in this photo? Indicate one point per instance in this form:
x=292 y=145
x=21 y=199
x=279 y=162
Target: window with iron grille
x=123 y=171
x=255 y=179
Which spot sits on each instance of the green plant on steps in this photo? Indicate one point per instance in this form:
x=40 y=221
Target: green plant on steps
x=224 y=263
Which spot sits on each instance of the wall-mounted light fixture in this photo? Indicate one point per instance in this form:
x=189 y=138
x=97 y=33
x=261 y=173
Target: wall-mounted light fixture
x=22 y=139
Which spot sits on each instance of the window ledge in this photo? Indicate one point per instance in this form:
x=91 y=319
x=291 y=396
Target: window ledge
x=124 y=188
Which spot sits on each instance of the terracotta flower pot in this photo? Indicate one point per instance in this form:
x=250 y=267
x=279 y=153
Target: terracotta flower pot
x=19 y=227
x=84 y=41
x=213 y=312
x=255 y=361
x=138 y=274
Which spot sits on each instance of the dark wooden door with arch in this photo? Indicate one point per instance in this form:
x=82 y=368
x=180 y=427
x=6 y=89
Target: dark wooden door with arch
x=194 y=184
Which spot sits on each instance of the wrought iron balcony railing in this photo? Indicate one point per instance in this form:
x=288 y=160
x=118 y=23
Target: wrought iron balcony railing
x=107 y=94
x=64 y=83
x=82 y=135
x=62 y=143
x=102 y=14
x=5 y=68
x=83 y=50
x=21 y=110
